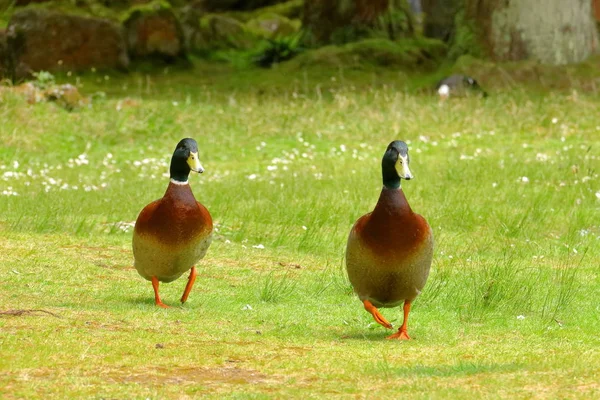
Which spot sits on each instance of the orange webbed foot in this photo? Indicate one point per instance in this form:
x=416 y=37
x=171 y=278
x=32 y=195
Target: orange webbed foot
x=162 y=305
x=400 y=335
x=380 y=319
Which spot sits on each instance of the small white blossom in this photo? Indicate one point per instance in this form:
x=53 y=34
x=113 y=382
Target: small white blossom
x=541 y=157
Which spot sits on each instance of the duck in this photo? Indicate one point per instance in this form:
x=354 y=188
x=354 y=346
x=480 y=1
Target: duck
x=389 y=250
x=174 y=232
x=458 y=85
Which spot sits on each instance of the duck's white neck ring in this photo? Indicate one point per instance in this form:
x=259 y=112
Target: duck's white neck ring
x=391 y=188
x=173 y=181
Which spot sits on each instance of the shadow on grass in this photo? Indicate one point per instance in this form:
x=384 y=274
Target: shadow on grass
x=369 y=334
x=148 y=301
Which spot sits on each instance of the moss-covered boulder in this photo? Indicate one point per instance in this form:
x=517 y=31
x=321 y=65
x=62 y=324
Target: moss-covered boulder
x=339 y=22
x=232 y=5
x=271 y=25
x=406 y=54
x=218 y=32
x=43 y=40
x=154 y=31
x=21 y=3
x=291 y=9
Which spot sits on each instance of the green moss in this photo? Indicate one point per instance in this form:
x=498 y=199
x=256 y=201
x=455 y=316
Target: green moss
x=261 y=26
x=404 y=54
x=87 y=8
x=344 y=25
x=218 y=32
x=290 y=9
x=117 y=11
x=147 y=8
x=464 y=41
x=6 y=10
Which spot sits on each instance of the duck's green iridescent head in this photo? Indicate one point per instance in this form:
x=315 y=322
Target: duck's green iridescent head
x=185 y=159
x=394 y=165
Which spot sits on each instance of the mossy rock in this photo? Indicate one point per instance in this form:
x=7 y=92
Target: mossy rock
x=271 y=25
x=341 y=22
x=236 y=5
x=83 y=8
x=218 y=32
x=147 y=8
x=403 y=54
x=153 y=31
x=77 y=43
x=290 y=9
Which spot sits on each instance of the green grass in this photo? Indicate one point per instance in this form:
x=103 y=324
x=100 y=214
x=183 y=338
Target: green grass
x=509 y=184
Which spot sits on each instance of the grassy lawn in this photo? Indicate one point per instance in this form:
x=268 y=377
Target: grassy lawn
x=509 y=184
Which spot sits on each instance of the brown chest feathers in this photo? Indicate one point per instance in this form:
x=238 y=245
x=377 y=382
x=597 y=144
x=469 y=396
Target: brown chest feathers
x=392 y=229
x=176 y=218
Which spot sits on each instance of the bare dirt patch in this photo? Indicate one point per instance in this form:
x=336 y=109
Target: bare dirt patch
x=191 y=375
x=19 y=313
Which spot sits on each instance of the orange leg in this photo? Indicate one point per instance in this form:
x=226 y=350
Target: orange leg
x=402 y=333
x=375 y=313
x=156 y=296
x=190 y=283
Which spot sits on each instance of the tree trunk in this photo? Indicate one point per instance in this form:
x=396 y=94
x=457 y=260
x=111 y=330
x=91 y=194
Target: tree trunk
x=551 y=31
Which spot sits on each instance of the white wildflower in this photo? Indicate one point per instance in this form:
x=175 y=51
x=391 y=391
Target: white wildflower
x=542 y=157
